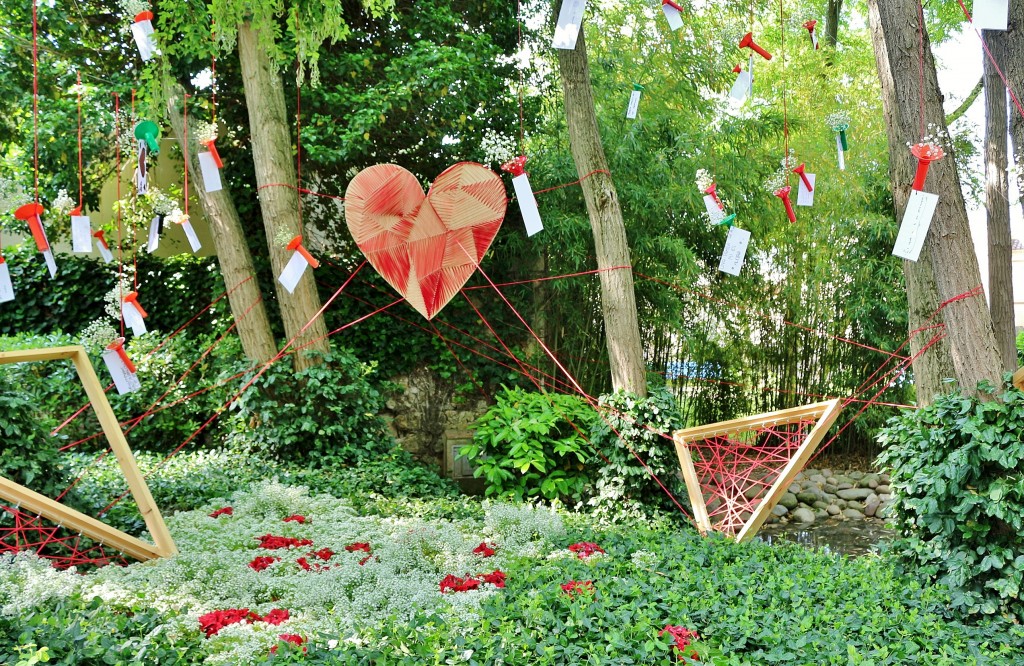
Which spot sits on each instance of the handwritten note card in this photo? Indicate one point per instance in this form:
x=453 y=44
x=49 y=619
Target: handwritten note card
x=6 y=287
x=735 y=251
x=81 y=234
x=634 y=104
x=527 y=204
x=805 y=197
x=916 y=221
x=211 y=174
x=567 y=30
x=990 y=14
x=125 y=380
x=741 y=88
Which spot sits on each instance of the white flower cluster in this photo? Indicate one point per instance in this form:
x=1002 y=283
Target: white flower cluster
x=175 y=217
x=788 y=163
x=497 y=148
x=130 y=8
x=776 y=181
x=162 y=204
x=522 y=526
x=12 y=195
x=62 y=204
x=112 y=299
x=125 y=124
x=644 y=558
x=27 y=582
x=203 y=131
x=97 y=335
x=837 y=120
x=704 y=179
x=935 y=137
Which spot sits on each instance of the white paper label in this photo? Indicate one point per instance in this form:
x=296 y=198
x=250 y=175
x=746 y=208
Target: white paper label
x=741 y=88
x=6 y=287
x=154 y=234
x=293 y=271
x=805 y=197
x=190 y=234
x=143 y=33
x=141 y=184
x=81 y=234
x=133 y=318
x=916 y=221
x=125 y=380
x=990 y=14
x=634 y=104
x=715 y=211
x=675 y=21
x=735 y=251
x=527 y=204
x=842 y=158
x=104 y=252
x=211 y=174
x=814 y=39
x=50 y=263
x=570 y=18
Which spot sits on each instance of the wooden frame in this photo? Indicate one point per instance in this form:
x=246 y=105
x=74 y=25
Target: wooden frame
x=24 y=498
x=826 y=412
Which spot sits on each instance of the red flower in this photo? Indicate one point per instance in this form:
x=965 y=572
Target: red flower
x=452 y=583
x=495 y=578
x=574 y=587
x=303 y=563
x=295 y=518
x=682 y=637
x=359 y=545
x=294 y=639
x=271 y=542
x=365 y=560
x=276 y=616
x=214 y=621
x=483 y=550
x=261 y=563
x=224 y=511
x=585 y=549
x=324 y=554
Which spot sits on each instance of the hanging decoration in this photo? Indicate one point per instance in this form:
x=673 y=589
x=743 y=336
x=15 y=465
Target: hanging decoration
x=6 y=286
x=148 y=135
x=747 y=42
x=990 y=14
x=713 y=205
x=163 y=206
x=524 y=194
x=567 y=29
x=814 y=35
x=81 y=225
x=297 y=265
x=917 y=218
x=735 y=251
x=134 y=315
x=182 y=219
x=121 y=369
x=805 y=189
x=142 y=31
x=743 y=85
x=634 y=101
x=210 y=163
x=674 y=14
x=101 y=245
x=426 y=247
x=777 y=184
x=31 y=214
x=839 y=122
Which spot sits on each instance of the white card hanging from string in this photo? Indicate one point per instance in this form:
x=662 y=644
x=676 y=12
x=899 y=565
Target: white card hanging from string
x=142 y=31
x=742 y=85
x=141 y=172
x=735 y=251
x=153 y=242
x=31 y=214
x=81 y=233
x=6 y=286
x=121 y=368
x=916 y=221
x=712 y=207
x=805 y=188
x=297 y=265
x=134 y=315
x=990 y=14
x=101 y=245
x=524 y=194
x=673 y=12
x=210 y=166
x=190 y=234
x=567 y=30
x=634 y=101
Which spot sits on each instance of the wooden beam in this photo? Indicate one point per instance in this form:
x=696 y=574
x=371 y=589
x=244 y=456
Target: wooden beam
x=1018 y=379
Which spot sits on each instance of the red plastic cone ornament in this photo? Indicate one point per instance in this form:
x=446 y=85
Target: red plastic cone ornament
x=800 y=171
x=747 y=42
x=926 y=153
x=783 y=193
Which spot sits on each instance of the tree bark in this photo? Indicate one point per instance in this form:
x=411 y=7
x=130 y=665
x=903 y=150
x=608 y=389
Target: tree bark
x=1013 y=66
x=899 y=45
x=618 y=300
x=233 y=255
x=276 y=180
x=997 y=205
x=832 y=13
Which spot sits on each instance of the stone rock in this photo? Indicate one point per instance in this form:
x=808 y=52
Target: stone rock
x=833 y=510
x=794 y=488
x=872 y=484
x=826 y=473
x=843 y=485
x=885 y=497
x=854 y=504
x=856 y=476
x=818 y=478
x=799 y=476
x=788 y=500
x=808 y=497
x=821 y=515
x=840 y=479
x=870 y=498
x=883 y=479
x=829 y=488
x=753 y=491
x=882 y=490
x=841 y=503
x=854 y=493
x=872 y=507
x=803 y=515
x=820 y=504
x=852 y=514
x=778 y=510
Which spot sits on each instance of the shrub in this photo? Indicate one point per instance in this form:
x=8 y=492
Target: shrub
x=29 y=451
x=533 y=445
x=957 y=475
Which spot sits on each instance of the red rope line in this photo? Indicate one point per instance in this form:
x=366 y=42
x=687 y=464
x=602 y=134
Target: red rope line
x=301 y=190
x=120 y=255
x=35 y=98
x=920 y=51
x=785 y=89
x=184 y=147
x=549 y=278
x=79 y=89
x=575 y=182
x=298 y=122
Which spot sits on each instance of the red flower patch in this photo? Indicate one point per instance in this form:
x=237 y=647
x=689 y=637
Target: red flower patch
x=261 y=563
x=276 y=616
x=223 y=511
x=271 y=542
x=294 y=639
x=682 y=637
x=575 y=587
x=214 y=621
x=359 y=545
x=495 y=578
x=365 y=560
x=585 y=549
x=295 y=518
x=483 y=550
x=324 y=554
x=452 y=583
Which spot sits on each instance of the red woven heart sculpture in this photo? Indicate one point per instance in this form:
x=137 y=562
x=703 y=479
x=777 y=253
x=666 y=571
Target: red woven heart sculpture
x=426 y=247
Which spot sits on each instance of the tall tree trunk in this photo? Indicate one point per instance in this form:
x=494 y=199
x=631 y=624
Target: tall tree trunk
x=1013 y=67
x=276 y=180
x=997 y=204
x=898 y=54
x=236 y=265
x=832 y=14
x=618 y=300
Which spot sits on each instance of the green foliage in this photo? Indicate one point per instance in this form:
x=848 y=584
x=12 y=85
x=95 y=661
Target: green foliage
x=29 y=450
x=632 y=427
x=533 y=445
x=957 y=470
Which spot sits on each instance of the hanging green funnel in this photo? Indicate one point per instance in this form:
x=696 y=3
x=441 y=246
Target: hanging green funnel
x=149 y=132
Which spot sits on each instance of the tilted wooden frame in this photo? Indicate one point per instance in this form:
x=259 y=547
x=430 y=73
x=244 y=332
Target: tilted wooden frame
x=29 y=500
x=826 y=412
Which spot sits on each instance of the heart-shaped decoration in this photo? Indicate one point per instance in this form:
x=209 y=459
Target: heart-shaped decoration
x=426 y=247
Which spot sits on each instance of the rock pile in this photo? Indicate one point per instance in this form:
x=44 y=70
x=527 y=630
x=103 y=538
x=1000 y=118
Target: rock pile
x=821 y=494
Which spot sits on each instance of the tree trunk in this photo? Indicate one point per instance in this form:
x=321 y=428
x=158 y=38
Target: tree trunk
x=954 y=266
x=997 y=204
x=1013 y=67
x=233 y=255
x=279 y=200
x=832 y=13
x=618 y=300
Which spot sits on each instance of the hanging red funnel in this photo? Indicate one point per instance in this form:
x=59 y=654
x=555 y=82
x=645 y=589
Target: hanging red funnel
x=710 y=191
x=926 y=153
x=783 y=193
x=803 y=176
x=810 y=29
x=747 y=42
x=30 y=213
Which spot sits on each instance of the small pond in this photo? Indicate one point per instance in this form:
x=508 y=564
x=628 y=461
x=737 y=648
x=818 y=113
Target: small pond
x=851 y=537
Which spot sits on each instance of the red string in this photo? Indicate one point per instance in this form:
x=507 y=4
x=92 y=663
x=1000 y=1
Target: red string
x=135 y=259
x=575 y=182
x=920 y=49
x=519 y=25
x=120 y=263
x=213 y=71
x=184 y=147
x=785 y=85
x=35 y=98
x=79 y=88
x=298 y=123
x=301 y=190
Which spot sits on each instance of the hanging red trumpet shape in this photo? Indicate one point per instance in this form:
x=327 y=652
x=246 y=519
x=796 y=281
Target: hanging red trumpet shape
x=747 y=42
x=783 y=193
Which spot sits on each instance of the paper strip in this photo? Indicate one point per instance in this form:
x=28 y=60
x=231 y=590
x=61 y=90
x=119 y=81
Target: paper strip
x=133 y=318
x=293 y=271
x=6 y=286
x=814 y=40
x=735 y=251
x=634 y=104
x=741 y=88
x=916 y=221
x=125 y=380
x=842 y=158
x=527 y=204
x=990 y=14
x=50 y=263
x=190 y=234
x=154 y=234
x=803 y=196
x=81 y=234
x=675 y=20
x=143 y=33
x=104 y=252
x=570 y=18
x=714 y=210
x=211 y=174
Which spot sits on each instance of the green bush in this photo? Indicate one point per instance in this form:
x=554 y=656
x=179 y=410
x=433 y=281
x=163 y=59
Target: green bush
x=30 y=453
x=629 y=427
x=533 y=445
x=957 y=475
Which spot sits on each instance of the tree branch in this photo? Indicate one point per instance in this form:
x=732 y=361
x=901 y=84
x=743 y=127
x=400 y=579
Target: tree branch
x=962 y=109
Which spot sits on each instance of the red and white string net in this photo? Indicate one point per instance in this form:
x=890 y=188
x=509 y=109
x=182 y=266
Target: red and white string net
x=20 y=531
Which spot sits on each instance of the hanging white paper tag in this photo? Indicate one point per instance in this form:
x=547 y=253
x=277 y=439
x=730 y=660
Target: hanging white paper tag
x=735 y=251
x=104 y=252
x=916 y=221
x=190 y=234
x=81 y=234
x=805 y=197
x=142 y=31
x=567 y=30
x=293 y=271
x=133 y=318
x=634 y=104
x=141 y=184
x=154 y=234
x=50 y=263
x=741 y=88
x=990 y=14
x=814 y=40
x=714 y=210
x=527 y=204
x=842 y=158
x=6 y=286
x=125 y=380
x=211 y=174
x=675 y=20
